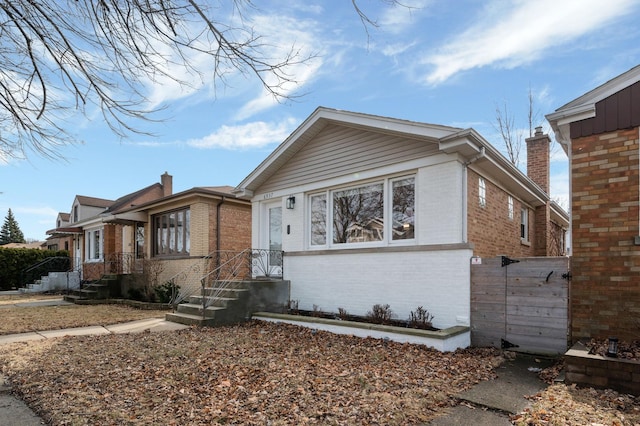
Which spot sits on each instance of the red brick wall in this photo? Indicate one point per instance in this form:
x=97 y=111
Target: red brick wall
x=235 y=221
x=605 y=290
x=489 y=228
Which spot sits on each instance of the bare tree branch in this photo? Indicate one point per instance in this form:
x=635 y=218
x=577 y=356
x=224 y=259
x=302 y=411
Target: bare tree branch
x=510 y=134
x=61 y=57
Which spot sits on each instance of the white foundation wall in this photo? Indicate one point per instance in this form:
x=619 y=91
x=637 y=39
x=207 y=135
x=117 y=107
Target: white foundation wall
x=437 y=280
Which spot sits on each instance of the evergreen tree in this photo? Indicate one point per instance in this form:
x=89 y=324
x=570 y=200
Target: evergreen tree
x=10 y=232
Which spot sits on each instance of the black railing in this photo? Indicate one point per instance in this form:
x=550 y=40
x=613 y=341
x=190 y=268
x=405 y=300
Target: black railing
x=121 y=263
x=44 y=267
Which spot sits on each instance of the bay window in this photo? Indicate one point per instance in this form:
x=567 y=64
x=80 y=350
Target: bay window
x=372 y=213
x=171 y=231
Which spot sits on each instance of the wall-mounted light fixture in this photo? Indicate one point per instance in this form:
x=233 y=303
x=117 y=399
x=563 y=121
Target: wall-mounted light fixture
x=612 y=349
x=291 y=202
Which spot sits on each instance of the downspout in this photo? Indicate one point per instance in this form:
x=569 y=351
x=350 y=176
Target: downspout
x=465 y=191
x=218 y=232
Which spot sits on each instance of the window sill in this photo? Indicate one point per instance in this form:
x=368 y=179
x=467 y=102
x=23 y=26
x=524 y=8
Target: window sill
x=525 y=243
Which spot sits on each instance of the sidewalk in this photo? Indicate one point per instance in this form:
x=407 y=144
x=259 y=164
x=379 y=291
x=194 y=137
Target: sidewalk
x=490 y=403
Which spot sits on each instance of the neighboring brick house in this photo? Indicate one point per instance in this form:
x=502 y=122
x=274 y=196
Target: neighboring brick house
x=599 y=130
x=179 y=230
x=62 y=241
x=99 y=245
x=374 y=210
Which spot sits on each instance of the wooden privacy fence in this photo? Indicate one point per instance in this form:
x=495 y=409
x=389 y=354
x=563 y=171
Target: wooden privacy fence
x=520 y=302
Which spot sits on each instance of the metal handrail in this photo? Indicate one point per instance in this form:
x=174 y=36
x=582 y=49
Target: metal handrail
x=66 y=266
x=223 y=268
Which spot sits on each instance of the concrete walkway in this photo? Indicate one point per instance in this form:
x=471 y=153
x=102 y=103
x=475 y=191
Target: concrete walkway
x=490 y=403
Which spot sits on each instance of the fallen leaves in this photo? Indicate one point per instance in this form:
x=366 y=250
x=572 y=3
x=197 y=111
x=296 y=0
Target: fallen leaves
x=256 y=373
x=22 y=320
x=573 y=406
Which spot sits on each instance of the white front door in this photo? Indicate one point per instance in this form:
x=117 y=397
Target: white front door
x=272 y=226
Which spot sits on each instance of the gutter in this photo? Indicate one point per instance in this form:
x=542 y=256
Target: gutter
x=465 y=190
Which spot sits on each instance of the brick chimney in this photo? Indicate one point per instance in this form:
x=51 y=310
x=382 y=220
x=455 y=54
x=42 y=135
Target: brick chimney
x=167 y=184
x=538 y=171
x=538 y=159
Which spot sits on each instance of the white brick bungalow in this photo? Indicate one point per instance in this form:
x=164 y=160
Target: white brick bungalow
x=373 y=210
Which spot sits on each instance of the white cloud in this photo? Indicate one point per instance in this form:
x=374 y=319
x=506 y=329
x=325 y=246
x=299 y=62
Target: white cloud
x=512 y=34
x=251 y=135
x=36 y=211
x=398 y=18
x=286 y=35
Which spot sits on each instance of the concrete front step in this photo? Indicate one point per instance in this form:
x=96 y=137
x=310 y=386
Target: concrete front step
x=195 y=309
x=233 y=293
x=222 y=302
x=189 y=319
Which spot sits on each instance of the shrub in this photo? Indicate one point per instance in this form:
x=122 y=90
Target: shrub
x=166 y=291
x=293 y=307
x=380 y=314
x=343 y=314
x=420 y=318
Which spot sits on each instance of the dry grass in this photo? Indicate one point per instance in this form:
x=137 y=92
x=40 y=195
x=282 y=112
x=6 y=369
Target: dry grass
x=27 y=319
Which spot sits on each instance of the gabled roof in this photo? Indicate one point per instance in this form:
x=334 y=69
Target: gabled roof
x=322 y=117
x=93 y=201
x=124 y=202
x=584 y=106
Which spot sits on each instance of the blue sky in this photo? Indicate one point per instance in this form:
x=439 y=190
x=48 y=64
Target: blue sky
x=441 y=61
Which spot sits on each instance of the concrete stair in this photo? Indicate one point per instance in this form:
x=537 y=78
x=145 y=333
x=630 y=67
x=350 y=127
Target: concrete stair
x=231 y=303
x=104 y=288
x=223 y=306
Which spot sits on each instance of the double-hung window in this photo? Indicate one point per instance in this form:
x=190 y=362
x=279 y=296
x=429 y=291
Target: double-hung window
x=371 y=213
x=171 y=231
x=93 y=245
x=524 y=225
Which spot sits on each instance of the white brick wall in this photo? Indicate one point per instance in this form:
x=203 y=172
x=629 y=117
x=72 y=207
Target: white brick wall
x=440 y=204
x=436 y=280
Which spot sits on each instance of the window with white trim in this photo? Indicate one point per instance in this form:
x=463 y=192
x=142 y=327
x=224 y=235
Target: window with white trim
x=370 y=213
x=482 y=192
x=93 y=244
x=524 y=225
x=510 y=211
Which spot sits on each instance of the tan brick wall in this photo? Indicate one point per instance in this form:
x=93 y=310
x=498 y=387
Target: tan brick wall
x=605 y=290
x=489 y=228
x=200 y=229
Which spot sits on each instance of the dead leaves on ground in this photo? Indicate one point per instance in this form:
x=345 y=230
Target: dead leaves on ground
x=256 y=373
x=39 y=318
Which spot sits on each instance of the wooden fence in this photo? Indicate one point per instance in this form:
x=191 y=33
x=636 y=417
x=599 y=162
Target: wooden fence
x=520 y=303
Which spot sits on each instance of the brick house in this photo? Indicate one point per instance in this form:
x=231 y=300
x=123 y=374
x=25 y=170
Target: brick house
x=599 y=131
x=99 y=245
x=179 y=230
x=374 y=210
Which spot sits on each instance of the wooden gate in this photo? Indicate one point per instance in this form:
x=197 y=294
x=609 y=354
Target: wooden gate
x=520 y=303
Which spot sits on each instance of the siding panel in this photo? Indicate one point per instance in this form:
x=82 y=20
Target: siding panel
x=340 y=150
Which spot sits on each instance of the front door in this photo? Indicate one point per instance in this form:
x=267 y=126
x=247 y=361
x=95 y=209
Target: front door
x=273 y=239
